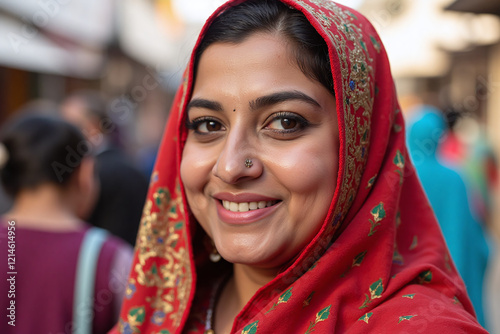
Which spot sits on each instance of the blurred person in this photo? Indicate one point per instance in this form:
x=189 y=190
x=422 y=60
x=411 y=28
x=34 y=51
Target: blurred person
x=67 y=274
x=467 y=149
x=123 y=187
x=447 y=194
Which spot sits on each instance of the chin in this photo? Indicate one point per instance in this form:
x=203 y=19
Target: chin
x=262 y=257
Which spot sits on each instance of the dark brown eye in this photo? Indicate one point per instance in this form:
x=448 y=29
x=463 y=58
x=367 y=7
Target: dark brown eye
x=207 y=126
x=288 y=123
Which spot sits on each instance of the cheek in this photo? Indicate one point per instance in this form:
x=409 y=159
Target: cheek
x=308 y=170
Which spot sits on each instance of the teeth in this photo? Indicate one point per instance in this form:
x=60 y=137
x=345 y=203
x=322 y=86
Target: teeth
x=246 y=206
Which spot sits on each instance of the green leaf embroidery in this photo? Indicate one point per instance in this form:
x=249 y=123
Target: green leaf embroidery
x=425 y=277
x=456 y=301
x=399 y=160
x=401 y=176
x=366 y=317
x=358 y=259
x=164 y=331
x=307 y=301
x=322 y=315
x=375 y=43
x=136 y=316
x=397 y=128
x=366 y=302
x=414 y=243
x=373 y=226
x=251 y=328
x=397 y=258
x=285 y=296
x=378 y=212
x=376 y=289
x=406 y=317
x=371 y=182
x=410 y=296
x=351 y=14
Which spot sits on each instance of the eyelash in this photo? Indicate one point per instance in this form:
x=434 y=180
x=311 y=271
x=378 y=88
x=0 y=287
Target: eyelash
x=302 y=123
x=195 y=123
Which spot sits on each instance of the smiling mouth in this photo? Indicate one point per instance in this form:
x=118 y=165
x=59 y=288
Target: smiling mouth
x=247 y=206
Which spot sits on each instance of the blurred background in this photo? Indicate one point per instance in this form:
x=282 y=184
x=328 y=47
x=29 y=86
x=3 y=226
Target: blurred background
x=443 y=53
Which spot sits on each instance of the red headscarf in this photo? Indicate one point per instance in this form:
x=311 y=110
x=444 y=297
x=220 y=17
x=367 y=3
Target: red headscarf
x=378 y=264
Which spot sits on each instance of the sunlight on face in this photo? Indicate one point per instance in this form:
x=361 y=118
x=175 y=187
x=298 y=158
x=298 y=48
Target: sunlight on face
x=251 y=101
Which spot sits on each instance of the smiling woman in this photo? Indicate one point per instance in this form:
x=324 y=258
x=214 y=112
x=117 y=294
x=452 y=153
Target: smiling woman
x=285 y=155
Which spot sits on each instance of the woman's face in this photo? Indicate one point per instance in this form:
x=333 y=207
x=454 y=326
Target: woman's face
x=251 y=101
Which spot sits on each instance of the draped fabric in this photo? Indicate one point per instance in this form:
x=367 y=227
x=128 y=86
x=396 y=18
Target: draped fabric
x=378 y=264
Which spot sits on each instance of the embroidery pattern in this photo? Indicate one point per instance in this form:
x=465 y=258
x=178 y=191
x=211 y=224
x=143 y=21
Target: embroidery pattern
x=320 y=316
x=366 y=317
x=158 y=239
x=376 y=290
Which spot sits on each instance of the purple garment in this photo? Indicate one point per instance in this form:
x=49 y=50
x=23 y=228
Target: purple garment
x=45 y=263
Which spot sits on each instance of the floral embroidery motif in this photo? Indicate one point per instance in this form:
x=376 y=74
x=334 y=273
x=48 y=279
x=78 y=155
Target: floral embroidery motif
x=410 y=296
x=285 y=296
x=251 y=328
x=397 y=258
x=135 y=318
x=356 y=262
x=378 y=214
x=357 y=89
x=366 y=317
x=371 y=182
x=399 y=161
x=414 y=243
x=320 y=316
x=307 y=301
x=405 y=317
x=376 y=290
x=425 y=277
x=158 y=239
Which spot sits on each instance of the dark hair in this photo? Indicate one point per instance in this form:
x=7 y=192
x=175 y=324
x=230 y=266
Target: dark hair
x=239 y=22
x=40 y=149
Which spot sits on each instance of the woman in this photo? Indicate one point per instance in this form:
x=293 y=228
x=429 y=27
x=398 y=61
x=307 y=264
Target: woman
x=285 y=154
x=63 y=275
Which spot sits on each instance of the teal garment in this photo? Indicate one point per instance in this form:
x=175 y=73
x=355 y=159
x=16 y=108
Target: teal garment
x=447 y=194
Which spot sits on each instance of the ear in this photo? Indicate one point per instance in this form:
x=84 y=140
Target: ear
x=87 y=186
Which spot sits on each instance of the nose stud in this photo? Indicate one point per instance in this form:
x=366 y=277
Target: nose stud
x=248 y=163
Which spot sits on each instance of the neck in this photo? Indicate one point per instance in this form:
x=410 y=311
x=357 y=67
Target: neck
x=237 y=293
x=247 y=280
x=46 y=207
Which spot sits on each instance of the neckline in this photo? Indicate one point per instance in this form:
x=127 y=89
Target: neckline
x=216 y=291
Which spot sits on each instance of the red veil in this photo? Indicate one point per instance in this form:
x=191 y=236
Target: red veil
x=378 y=264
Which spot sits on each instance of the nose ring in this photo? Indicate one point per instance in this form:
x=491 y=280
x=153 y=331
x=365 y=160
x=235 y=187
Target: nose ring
x=248 y=163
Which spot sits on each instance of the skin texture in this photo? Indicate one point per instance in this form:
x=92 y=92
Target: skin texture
x=294 y=164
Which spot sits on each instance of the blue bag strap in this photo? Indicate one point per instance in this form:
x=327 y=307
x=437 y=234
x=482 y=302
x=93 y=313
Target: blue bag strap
x=83 y=301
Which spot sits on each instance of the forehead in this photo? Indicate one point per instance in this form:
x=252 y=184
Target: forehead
x=261 y=60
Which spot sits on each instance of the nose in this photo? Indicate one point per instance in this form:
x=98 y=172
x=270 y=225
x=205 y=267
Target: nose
x=238 y=160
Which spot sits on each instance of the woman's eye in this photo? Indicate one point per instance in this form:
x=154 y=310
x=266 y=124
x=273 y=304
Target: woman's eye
x=287 y=122
x=209 y=126
x=283 y=124
x=204 y=125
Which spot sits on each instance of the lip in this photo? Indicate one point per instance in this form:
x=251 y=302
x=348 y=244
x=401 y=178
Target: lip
x=242 y=218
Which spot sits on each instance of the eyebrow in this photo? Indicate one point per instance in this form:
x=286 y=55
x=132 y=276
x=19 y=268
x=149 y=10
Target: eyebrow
x=260 y=102
x=205 y=104
x=279 y=97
